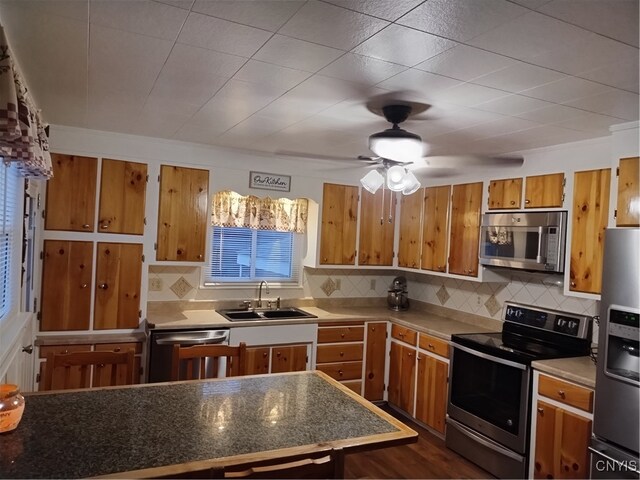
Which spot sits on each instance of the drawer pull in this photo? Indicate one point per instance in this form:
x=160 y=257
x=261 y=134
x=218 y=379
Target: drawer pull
x=264 y=355
x=85 y=226
x=561 y=393
x=527 y=201
x=340 y=372
x=117 y=349
x=342 y=354
x=431 y=346
x=84 y=285
x=401 y=335
x=342 y=335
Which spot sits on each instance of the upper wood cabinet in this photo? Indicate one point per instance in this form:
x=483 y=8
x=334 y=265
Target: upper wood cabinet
x=71 y=193
x=410 y=228
x=339 y=224
x=628 y=206
x=66 y=285
x=377 y=225
x=118 y=277
x=544 y=191
x=505 y=194
x=435 y=225
x=590 y=217
x=123 y=187
x=182 y=214
x=465 y=229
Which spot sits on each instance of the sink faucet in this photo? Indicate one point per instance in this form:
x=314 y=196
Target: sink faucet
x=260 y=292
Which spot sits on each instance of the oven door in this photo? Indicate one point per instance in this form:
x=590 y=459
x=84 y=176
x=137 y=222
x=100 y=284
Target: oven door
x=490 y=395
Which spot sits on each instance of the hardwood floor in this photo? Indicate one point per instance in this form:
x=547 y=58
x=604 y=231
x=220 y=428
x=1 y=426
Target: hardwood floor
x=427 y=458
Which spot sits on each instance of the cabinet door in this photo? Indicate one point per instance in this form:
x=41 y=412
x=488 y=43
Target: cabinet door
x=628 y=193
x=105 y=373
x=590 y=218
x=257 y=360
x=377 y=224
x=544 y=191
x=465 y=229
x=410 y=226
x=402 y=368
x=66 y=285
x=182 y=217
x=71 y=193
x=339 y=222
x=375 y=360
x=118 y=277
x=431 y=396
x=289 y=359
x=123 y=186
x=59 y=374
x=505 y=193
x=435 y=225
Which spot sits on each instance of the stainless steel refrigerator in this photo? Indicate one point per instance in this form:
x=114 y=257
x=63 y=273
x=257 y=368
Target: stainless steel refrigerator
x=616 y=419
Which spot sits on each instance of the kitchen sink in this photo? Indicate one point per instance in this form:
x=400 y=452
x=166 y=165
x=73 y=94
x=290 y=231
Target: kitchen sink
x=280 y=313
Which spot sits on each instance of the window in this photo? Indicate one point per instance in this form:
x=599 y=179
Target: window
x=241 y=254
x=9 y=237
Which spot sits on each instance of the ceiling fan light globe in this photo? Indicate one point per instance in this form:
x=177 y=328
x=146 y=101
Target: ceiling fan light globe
x=372 y=181
x=412 y=184
x=396 y=144
x=396 y=178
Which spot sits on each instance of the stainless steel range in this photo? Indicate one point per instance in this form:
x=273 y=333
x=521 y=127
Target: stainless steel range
x=488 y=412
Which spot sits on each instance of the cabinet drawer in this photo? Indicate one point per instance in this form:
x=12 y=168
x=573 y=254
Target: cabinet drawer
x=355 y=385
x=339 y=353
x=120 y=347
x=565 y=392
x=343 y=370
x=341 y=334
x=404 y=334
x=433 y=344
x=45 y=350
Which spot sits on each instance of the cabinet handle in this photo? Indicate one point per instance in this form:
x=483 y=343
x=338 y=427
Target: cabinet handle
x=513 y=202
x=373 y=329
x=104 y=226
x=540 y=410
x=573 y=284
x=561 y=393
x=103 y=286
x=342 y=354
x=84 y=285
x=199 y=257
x=401 y=335
x=28 y=349
x=85 y=226
x=431 y=346
x=342 y=335
x=527 y=201
x=410 y=354
x=117 y=349
x=265 y=354
x=324 y=259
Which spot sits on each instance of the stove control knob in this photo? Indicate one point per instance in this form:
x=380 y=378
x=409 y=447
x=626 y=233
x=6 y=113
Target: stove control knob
x=510 y=422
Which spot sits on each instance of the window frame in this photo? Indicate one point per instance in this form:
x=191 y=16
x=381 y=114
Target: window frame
x=15 y=226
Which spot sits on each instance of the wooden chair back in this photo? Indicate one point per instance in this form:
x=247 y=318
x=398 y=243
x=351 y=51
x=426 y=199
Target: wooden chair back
x=203 y=361
x=74 y=370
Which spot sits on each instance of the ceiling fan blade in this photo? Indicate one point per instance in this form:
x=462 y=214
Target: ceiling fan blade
x=313 y=156
x=463 y=161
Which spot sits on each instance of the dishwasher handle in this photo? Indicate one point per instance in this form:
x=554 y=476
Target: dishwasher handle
x=193 y=338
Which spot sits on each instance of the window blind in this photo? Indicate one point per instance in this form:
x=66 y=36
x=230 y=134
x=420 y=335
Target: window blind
x=9 y=233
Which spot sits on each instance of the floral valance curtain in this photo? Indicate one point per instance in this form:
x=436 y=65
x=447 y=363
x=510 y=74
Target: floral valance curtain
x=230 y=209
x=22 y=133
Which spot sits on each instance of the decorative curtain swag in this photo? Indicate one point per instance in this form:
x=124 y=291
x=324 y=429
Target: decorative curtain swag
x=230 y=209
x=23 y=137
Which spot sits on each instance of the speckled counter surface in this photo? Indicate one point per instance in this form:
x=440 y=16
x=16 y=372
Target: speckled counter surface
x=580 y=370
x=104 y=431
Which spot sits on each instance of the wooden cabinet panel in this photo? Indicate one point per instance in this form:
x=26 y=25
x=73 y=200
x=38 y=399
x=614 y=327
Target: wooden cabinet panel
x=289 y=358
x=434 y=345
x=562 y=440
x=339 y=223
x=258 y=360
x=435 y=225
x=465 y=229
x=343 y=370
x=590 y=218
x=402 y=367
x=377 y=224
x=431 y=396
x=505 y=193
x=375 y=361
x=118 y=276
x=182 y=216
x=565 y=392
x=66 y=285
x=410 y=228
x=628 y=205
x=544 y=191
x=45 y=350
x=105 y=373
x=60 y=379
x=71 y=193
x=404 y=334
x=339 y=353
x=340 y=334
x=355 y=385
x=123 y=186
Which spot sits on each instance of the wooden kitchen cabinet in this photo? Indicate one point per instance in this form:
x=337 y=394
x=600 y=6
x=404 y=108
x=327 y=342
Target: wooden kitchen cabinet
x=628 y=205
x=375 y=361
x=544 y=191
x=589 y=220
x=66 y=285
x=74 y=380
x=505 y=194
x=118 y=277
x=182 y=214
x=410 y=228
x=121 y=372
x=258 y=360
x=71 y=193
x=377 y=225
x=288 y=358
x=340 y=352
x=123 y=188
x=435 y=226
x=465 y=229
x=402 y=369
x=431 y=396
x=339 y=224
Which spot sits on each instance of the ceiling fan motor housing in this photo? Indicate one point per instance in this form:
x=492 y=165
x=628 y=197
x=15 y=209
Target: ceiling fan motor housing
x=396 y=113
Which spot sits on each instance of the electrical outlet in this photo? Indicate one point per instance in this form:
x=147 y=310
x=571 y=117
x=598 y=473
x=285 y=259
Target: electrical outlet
x=155 y=284
x=479 y=300
x=372 y=284
x=338 y=283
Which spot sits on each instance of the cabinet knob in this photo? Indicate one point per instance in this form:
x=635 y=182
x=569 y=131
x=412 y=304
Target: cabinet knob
x=342 y=354
x=540 y=410
x=401 y=335
x=264 y=354
x=373 y=329
x=342 y=335
x=573 y=284
x=324 y=259
x=28 y=349
x=84 y=285
x=340 y=372
x=561 y=393
x=431 y=346
x=418 y=358
x=103 y=286
x=199 y=257
x=513 y=202
x=85 y=226
x=527 y=201
x=409 y=354
x=278 y=354
x=104 y=226
x=117 y=349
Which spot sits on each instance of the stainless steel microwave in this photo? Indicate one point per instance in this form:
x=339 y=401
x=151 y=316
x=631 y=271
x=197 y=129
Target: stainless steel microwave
x=524 y=240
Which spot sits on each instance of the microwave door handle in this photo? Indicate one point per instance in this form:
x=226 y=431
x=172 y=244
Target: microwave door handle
x=541 y=240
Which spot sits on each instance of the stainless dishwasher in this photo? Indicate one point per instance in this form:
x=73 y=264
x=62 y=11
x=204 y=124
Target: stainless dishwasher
x=161 y=350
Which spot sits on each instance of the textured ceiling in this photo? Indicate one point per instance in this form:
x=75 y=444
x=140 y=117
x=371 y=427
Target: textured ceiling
x=289 y=75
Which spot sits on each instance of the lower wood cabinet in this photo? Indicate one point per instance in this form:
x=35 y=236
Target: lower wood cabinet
x=277 y=359
x=402 y=368
x=431 y=391
x=375 y=360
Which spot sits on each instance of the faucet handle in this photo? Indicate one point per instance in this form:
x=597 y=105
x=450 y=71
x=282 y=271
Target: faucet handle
x=246 y=304
x=278 y=303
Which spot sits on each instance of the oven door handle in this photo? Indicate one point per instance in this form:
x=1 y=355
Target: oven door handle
x=486 y=443
x=502 y=361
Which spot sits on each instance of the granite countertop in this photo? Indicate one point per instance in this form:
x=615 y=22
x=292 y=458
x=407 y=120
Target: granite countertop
x=580 y=370
x=179 y=424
